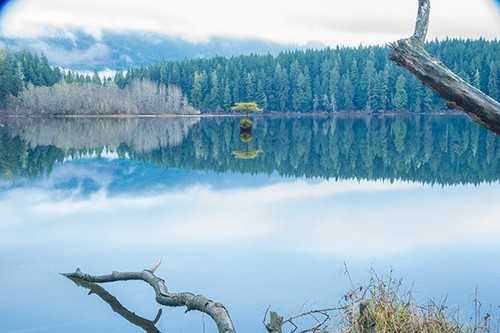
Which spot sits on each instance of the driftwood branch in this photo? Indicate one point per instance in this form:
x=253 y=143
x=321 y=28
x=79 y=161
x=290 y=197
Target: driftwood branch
x=322 y=317
x=410 y=54
x=95 y=289
x=215 y=310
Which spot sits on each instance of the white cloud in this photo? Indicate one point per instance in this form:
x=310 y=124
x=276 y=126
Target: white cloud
x=328 y=21
x=346 y=219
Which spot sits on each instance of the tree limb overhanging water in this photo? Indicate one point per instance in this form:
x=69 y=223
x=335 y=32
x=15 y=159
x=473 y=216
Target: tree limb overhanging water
x=147 y=325
x=410 y=54
x=215 y=310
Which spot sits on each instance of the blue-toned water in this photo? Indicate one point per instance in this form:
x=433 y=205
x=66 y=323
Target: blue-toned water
x=416 y=195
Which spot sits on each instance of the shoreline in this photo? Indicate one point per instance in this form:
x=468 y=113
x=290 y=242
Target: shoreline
x=346 y=114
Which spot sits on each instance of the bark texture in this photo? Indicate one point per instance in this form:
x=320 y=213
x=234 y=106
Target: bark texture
x=215 y=310
x=410 y=54
x=147 y=325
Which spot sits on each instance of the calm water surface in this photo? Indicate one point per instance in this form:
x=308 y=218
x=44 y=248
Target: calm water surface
x=416 y=195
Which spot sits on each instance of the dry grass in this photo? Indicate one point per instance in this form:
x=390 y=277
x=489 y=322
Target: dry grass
x=383 y=307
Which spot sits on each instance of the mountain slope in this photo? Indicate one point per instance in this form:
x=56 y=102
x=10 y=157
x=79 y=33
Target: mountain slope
x=78 y=50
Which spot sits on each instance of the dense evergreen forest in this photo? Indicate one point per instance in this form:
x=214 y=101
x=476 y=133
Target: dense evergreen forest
x=329 y=80
x=445 y=150
x=339 y=79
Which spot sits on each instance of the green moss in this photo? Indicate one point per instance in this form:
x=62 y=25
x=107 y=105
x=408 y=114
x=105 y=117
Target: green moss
x=248 y=107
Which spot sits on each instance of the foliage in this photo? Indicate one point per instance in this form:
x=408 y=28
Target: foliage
x=246 y=107
x=330 y=80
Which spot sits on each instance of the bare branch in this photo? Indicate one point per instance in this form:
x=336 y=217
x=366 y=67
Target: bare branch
x=410 y=54
x=116 y=306
x=215 y=310
x=155 y=266
x=422 y=25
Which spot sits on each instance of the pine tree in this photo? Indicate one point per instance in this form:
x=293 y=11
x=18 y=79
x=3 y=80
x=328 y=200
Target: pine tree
x=476 y=81
x=427 y=102
x=493 y=82
x=366 y=97
x=260 y=96
x=227 y=100
x=299 y=93
x=400 y=99
x=348 y=90
x=213 y=98
x=197 y=92
x=333 y=83
x=281 y=86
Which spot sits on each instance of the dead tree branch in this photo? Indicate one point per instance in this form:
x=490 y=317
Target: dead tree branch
x=410 y=54
x=215 y=310
x=147 y=325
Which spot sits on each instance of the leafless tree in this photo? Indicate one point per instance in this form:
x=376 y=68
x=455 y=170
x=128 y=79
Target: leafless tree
x=139 y=97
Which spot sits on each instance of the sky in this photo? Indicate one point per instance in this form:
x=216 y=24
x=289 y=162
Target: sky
x=330 y=22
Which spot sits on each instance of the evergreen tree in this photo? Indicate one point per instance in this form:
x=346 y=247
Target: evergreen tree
x=400 y=99
x=476 y=81
x=228 y=101
x=493 y=88
x=281 y=87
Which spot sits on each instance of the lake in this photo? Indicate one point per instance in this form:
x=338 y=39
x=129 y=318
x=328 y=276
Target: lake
x=274 y=219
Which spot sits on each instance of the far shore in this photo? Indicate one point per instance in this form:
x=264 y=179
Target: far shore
x=342 y=114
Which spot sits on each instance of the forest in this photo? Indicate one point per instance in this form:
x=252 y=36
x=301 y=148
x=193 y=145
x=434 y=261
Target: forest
x=327 y=80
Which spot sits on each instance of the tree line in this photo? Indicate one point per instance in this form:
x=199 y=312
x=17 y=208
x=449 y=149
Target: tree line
x=330 y=80
x=327 y=80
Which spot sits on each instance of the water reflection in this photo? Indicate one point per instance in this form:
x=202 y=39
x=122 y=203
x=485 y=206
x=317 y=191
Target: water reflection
x=359 y=190
x=442 y=150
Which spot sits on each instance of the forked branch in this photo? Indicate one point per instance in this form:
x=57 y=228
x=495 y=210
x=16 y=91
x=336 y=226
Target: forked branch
x=215 y=310
x=148 y=326
x=410 y=54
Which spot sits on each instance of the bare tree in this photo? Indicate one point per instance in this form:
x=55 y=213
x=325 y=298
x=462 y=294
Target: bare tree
x=410 y=54
x=139 y=97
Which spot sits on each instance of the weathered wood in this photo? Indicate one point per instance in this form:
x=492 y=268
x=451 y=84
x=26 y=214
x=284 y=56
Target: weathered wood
x=95 y=289
x=410 y=54
x=215 y=310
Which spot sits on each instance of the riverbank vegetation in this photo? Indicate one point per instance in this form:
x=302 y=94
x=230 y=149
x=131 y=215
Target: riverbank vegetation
x=381 y=306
